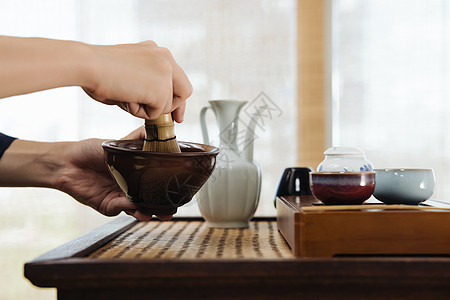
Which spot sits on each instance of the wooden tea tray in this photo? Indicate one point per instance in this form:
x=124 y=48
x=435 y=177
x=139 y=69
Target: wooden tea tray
x=314 y=230
x=184 y=259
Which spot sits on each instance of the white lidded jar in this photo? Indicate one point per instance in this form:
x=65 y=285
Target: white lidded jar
x=344 y=159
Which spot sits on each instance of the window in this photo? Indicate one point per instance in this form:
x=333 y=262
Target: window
x=229 y=49
x=391 y=83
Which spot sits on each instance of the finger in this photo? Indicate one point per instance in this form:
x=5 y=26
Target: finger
x=116 y=204
x=144 y=111
x=150 y=112
x=165 y=217
x=182 y=87
x=149 y=43
x=142 y=216
x=124 y=106
x=141 y=111
x=137 y=134
x=162 y=101
x=178 y=113
x=129 y=212
x=169 y=101
x=138 y=215
x=93 y=95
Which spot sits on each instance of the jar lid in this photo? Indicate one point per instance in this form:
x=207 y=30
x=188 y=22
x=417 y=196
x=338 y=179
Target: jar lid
x=343 y=151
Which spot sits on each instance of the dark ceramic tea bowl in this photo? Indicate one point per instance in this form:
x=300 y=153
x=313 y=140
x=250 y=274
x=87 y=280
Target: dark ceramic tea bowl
x=340 y=188
x=159 y=182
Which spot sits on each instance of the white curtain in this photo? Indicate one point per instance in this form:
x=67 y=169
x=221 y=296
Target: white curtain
x=391 y=77
x=229 y=49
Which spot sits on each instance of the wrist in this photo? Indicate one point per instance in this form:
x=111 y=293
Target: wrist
x=87 y=66
x=32 y=164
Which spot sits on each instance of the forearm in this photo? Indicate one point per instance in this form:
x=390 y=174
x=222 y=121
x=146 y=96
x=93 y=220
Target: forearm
x=32 y=164
x=34 y=64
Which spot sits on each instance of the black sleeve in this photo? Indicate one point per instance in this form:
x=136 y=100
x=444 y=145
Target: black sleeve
x=5 y=142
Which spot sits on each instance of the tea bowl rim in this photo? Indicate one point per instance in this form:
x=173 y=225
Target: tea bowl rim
x=403 y=169
x=106 y=145
x=342 y=173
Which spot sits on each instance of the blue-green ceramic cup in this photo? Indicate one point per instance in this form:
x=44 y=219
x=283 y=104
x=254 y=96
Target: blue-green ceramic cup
x=403 y=186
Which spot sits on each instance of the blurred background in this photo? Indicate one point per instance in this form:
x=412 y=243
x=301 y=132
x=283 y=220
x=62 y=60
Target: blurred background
x=229 y=50
x=388 y=64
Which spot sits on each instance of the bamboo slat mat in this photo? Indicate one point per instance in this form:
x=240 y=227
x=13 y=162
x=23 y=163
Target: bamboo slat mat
x=194 y=240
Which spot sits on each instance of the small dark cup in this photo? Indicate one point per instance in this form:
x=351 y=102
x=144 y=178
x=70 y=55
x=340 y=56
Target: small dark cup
x=294 y=182
x=342 y=188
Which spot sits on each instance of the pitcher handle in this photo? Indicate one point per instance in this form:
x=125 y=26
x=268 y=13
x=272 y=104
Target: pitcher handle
x=203 y=125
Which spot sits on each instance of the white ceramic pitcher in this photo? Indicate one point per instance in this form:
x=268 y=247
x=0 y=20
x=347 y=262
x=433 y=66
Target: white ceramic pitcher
x=230 y=196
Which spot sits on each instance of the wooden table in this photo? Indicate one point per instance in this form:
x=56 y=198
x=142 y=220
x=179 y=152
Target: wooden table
x=184 y=259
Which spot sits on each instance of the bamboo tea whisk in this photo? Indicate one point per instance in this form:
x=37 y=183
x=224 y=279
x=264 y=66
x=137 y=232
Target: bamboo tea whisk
x=160 y=135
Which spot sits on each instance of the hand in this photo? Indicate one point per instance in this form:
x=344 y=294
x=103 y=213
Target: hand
x=142 y=78
x=87 y=179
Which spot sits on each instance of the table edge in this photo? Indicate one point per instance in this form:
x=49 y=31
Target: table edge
x=88 y=242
